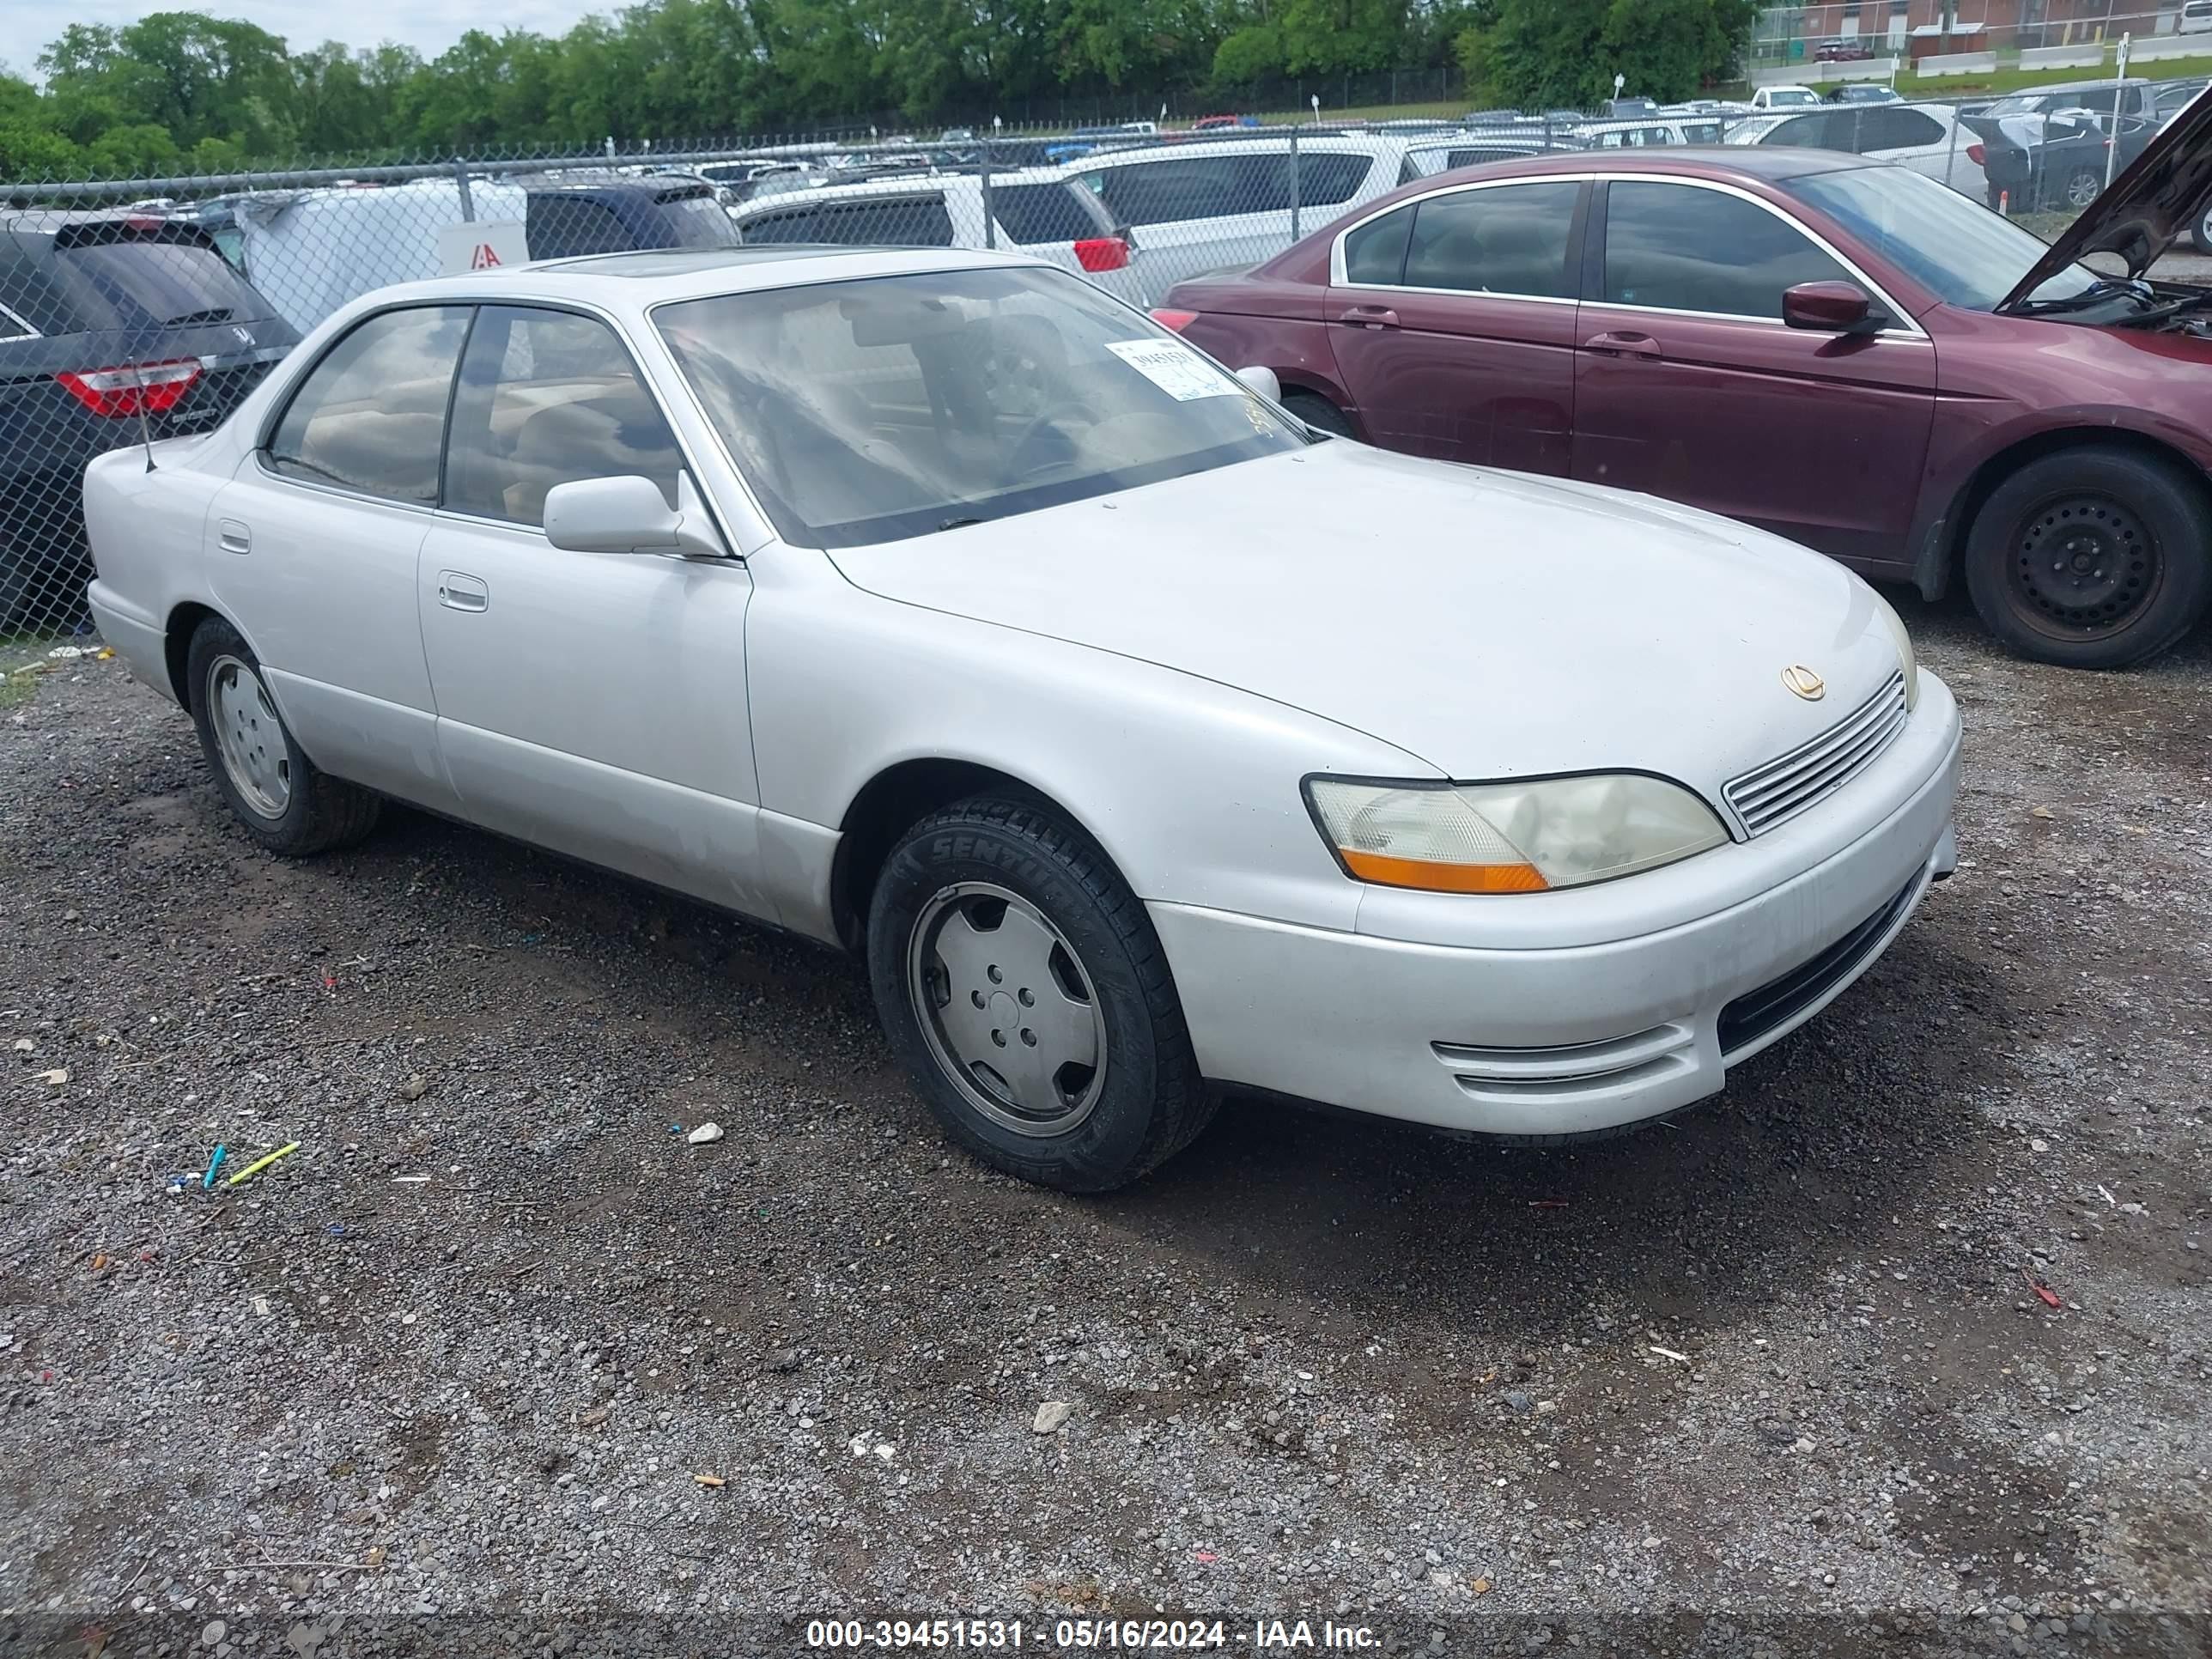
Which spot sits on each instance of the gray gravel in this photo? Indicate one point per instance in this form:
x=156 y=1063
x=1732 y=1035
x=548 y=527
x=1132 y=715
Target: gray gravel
x=470 y=1347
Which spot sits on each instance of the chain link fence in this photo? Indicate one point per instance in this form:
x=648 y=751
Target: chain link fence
x=138 y=310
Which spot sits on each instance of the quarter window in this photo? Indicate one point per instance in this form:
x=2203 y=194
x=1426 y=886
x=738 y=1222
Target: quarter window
x=546 y=398
x=1512 y=240
x=1376 y=252
x=370 y=415
x=1682 y=248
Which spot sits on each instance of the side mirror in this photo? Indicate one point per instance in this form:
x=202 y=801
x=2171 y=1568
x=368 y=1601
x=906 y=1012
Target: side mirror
x=1262 y=380
x=1828 y=307
x=629 y=514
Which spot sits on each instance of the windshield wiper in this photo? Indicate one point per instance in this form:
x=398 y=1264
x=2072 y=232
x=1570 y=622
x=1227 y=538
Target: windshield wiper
x=960 y=524
x=2096 y=294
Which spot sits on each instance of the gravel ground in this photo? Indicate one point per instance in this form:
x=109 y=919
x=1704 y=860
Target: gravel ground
x=1781 y=1364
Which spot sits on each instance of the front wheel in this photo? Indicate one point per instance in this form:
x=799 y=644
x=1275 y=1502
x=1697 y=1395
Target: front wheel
x=282 y=799
x=1318 y=412
x=1020 y=981
x=2095 y=557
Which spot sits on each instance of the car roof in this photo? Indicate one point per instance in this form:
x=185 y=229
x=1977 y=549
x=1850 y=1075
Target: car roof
x=1264 y=143
x=1725 y=162
x=904 y=185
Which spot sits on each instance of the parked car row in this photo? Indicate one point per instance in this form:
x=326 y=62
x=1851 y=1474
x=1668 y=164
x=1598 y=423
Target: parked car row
x=1841 y=352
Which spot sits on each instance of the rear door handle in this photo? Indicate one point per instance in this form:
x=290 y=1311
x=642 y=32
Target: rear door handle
x=233 y=536
x=458 y=591
x=1623 y=343
x=1369 y=317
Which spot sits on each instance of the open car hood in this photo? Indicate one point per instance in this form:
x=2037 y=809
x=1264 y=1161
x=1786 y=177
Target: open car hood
x=2157 y=196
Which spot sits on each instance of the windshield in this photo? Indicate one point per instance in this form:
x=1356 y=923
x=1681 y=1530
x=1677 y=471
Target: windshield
x=872 y=411
x=1789 y=100
x=1966 y=254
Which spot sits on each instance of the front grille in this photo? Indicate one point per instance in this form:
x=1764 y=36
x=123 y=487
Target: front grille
x=1782 y=788
x=1755 y=1014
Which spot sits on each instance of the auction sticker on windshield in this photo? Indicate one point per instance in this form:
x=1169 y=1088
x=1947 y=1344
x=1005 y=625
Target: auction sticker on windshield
x=1175 y=368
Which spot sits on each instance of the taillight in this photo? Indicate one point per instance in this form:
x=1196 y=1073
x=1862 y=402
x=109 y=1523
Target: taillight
x=1101 y=253
x=1979 y=155
x=133 y=388
x=1174 y=321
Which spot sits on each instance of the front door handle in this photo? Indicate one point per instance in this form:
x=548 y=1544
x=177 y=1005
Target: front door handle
x=1623 y=343
x=1369 y=317
x=458 y=591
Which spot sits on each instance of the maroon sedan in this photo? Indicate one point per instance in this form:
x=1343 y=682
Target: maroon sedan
x=1846 y=353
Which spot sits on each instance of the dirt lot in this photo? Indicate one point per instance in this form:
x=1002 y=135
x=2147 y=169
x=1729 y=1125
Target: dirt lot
x=1781 y=1364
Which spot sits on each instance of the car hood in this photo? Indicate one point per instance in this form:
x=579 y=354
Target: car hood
x=1491 y=624
x=2156 y=197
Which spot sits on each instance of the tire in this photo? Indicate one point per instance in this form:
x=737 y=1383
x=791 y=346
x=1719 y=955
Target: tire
x=994 y=892
x=2094 y=557
x=285 y=802
x=1318 y=412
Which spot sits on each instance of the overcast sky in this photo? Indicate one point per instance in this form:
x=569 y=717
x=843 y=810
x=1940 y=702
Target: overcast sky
x=429 y=26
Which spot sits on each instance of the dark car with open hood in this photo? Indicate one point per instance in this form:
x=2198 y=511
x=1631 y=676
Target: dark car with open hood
x=1844 y=352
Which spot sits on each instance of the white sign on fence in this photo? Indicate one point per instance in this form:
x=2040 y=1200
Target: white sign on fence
x=481 y=245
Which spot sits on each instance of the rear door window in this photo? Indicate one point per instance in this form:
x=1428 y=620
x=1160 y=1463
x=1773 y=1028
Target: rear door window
x=371 y=414
x=1509 y=240
x=1888 y=126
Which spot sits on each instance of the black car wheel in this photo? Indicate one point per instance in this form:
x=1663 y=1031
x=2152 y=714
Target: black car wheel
x=2094 y=557
x=1020 y=981
x=1318 y=412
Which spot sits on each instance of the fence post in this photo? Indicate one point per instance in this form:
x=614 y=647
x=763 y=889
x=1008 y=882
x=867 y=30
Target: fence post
x=990 y=214
x=2120 y=91
x=461 y=177
x=1951 y=152
x=1294 y=183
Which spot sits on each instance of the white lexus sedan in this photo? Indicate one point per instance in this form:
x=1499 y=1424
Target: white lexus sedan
x=935 y=605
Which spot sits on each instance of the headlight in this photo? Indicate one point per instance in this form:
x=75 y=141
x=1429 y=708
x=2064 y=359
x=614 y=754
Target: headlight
x=1905 y=658
x=1509 y=837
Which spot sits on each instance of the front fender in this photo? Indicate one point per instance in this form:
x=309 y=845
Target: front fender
x=1191 y=787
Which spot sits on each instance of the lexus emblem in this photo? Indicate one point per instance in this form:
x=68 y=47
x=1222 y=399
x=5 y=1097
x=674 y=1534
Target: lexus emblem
x=1804 y=683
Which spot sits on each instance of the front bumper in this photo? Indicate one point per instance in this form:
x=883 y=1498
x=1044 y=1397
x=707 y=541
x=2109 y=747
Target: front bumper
x=1578 y=1038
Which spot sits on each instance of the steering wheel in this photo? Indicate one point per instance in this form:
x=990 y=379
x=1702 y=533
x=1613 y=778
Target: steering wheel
x=1037 y=427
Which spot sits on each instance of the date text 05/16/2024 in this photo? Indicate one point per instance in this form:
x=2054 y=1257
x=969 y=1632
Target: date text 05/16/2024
x=1260 y=1636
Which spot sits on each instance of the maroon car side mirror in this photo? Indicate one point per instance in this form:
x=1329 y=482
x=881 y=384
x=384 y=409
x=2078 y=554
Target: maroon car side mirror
x=1831 y=307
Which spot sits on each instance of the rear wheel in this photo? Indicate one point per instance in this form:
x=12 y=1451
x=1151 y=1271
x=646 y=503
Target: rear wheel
x=2200 y=235
x=2083 y=185
x=283 y=800
x=2094 y=557
x=1020 y=980
x=1318 y=412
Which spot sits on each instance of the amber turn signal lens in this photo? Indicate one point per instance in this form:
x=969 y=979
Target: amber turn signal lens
x=1430 y=877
